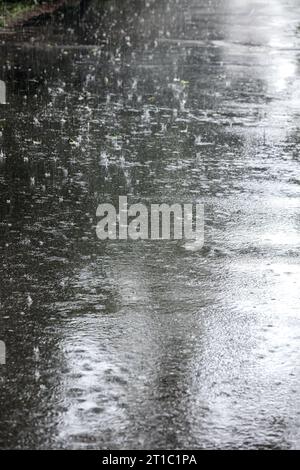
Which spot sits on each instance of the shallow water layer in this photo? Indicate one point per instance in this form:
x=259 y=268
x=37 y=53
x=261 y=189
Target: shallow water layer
x=150 y=344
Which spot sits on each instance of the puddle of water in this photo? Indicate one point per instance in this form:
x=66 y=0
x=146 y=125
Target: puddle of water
x=143 y=344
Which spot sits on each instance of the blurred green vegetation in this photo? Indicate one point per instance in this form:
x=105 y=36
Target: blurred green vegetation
x=12 y=9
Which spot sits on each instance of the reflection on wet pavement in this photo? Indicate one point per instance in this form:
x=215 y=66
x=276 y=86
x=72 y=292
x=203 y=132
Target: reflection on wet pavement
x=146 y=344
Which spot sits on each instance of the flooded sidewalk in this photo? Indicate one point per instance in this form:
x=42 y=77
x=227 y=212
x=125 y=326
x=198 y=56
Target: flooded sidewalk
x=151 y=344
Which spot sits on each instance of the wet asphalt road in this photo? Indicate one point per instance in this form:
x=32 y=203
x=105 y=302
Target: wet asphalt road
x=150 y=345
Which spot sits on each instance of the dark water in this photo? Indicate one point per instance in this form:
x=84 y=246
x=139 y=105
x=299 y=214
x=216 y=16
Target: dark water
x=149 y=344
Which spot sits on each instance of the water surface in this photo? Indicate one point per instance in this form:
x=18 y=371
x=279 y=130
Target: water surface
x=149 y=345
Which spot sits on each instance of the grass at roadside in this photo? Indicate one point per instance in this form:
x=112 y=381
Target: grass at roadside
x=11 y=11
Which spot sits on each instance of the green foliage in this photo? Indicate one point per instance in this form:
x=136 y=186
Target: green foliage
x=11 y=9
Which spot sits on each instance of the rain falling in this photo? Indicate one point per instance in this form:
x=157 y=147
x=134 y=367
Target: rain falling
x=139 y=343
